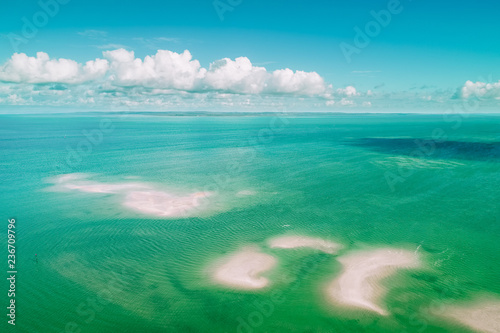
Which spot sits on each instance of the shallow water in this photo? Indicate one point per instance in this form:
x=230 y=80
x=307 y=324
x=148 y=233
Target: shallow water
x=360 y=181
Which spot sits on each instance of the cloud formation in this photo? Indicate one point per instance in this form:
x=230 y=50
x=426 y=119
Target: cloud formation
x=238 y=76
x=41 y=69
x=480 y=90
x=287 y=81
x=163 y=70
x=165 y=81
x=348 y=91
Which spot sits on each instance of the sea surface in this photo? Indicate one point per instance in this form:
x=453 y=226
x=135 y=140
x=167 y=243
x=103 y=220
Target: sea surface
x=429 y=184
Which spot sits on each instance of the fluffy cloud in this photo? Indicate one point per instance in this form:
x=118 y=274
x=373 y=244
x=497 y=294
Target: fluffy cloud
x=41 y=69
x=242 y=77
x=164 y=81
x=348 y=91
x=14 y=99
x=298 y=82
x=346 y=102
x=165 y=69
x=237 y=76
x=480 y=90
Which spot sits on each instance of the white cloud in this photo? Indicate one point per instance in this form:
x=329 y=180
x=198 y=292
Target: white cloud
x=165 y=69
x=164 y=79
x=298 y=82
x=171 y=70
x=41 y=69
x=242 y=77
x=14 y=99
x=348 y=91
x=346 y=102
x=237 y=76
x=481 y=90
x=110 y=46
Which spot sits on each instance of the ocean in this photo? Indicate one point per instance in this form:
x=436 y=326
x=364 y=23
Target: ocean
x=426 y=184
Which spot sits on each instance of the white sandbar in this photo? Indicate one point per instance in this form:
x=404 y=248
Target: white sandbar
x=163 y=204
x=79 y=182
x=141 y=197
x=359 y=284
x=69 y=177
x=94 y=187
x=243 y=269
x=292 y=242
x=483 y=316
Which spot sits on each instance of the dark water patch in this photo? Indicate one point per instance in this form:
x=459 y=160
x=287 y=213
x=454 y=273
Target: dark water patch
x=450 y=291
x=174 y=280
x=433 y=249
x=310 y=265
x=424 y=148
x=425 y=277
x=213 y=309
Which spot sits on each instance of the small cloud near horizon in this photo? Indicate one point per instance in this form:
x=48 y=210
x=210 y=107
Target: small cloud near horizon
x=93 y=34
x=111 y=46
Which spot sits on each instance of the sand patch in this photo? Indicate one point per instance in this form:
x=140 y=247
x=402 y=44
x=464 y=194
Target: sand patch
x=481 y=316
x=245 y=193
x=163 y=204
x=92 y=187
x=80 y=182
x=359 y=284
x=243 y=269
x=140 y=197
x=292 y=242
x=68 y=177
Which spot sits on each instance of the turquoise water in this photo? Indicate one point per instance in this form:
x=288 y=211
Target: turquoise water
x=365 y=181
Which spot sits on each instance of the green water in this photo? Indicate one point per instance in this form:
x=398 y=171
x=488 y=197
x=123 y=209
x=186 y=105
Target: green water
x=360 y=180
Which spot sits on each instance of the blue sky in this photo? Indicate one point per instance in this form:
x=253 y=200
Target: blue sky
x=420 y=60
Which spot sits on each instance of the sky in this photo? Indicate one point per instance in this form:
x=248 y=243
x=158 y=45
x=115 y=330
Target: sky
x=250 y=55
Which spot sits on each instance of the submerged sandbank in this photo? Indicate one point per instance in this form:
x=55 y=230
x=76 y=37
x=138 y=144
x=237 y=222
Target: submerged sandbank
x=292 y=242
x=481 y=316
x=359 y=283
x=92 y=187
x=140 y=197
x=243 y=269
x=80 y=182
x=163 y=204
